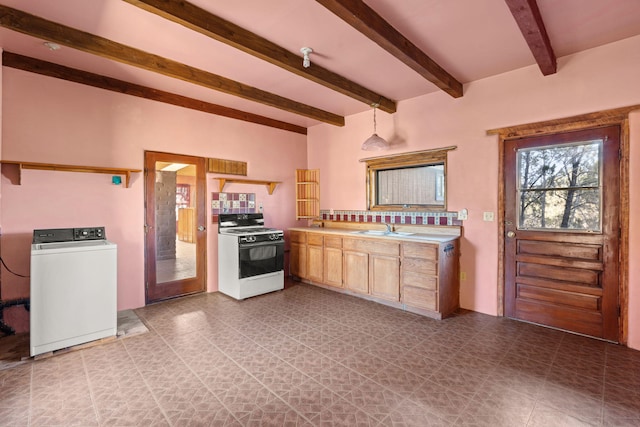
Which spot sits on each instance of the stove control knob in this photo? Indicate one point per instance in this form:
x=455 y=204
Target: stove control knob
x=251 y=239
x=273 y=236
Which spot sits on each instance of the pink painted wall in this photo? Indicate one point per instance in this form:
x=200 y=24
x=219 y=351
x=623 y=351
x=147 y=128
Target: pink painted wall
x=598 y=79
x=48 y=120
x=53 y=121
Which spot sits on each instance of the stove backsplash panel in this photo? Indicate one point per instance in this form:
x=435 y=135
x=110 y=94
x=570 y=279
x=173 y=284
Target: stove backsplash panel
x=231 y=203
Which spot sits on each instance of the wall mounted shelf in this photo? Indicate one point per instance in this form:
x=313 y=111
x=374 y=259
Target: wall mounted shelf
x=72 y=168
x=307 y=193
x=271 y=185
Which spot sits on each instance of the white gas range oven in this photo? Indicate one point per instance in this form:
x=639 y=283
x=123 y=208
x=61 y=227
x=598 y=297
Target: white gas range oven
x=250 y=256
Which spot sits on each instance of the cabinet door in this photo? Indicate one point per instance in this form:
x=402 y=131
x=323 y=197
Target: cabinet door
x=315 y=264
x=298 y=260
x=333 y=267
x=420 y=297
x=385 y=276
x=356 y=271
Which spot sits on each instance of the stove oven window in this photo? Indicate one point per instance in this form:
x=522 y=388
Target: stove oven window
x=263 y=259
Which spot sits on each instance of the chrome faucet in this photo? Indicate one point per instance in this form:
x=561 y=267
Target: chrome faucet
x=388 y=227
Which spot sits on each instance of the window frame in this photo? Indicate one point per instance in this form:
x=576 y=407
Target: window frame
x=400 y=161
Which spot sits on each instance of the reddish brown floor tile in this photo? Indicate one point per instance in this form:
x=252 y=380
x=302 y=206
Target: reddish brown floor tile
x=312 y=357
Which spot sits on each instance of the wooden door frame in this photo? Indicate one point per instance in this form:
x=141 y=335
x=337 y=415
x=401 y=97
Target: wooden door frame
x=619 y=117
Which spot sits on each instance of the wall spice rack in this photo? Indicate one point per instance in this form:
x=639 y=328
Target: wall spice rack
x=71 y=168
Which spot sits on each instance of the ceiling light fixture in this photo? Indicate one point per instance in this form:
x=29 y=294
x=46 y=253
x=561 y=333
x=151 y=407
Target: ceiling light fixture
x=374 y=142
x=52 y=46
x=306 y=62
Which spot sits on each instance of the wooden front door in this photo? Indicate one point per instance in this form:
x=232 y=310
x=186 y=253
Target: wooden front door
x=175 y=220
x=562 y=231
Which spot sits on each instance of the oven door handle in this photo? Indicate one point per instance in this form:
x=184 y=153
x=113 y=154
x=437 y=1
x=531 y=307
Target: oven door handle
x=255 y=245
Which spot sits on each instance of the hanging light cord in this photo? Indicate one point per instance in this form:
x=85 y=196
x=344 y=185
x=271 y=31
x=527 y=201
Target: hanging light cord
x=374 y=116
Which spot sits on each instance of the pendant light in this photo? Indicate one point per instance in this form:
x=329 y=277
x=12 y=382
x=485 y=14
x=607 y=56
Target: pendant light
x=374 y=142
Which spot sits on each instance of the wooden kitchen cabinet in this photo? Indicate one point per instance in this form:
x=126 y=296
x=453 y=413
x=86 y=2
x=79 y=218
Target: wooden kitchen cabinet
x=298 y=254
x=429 y=278
x=384 y=276
x=333 y=261
x=315 y=258
x=372 y=267
x=356 y=271
x=421 y=277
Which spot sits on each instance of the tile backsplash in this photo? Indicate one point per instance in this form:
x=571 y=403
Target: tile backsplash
x=223 y=203
x=393 y=217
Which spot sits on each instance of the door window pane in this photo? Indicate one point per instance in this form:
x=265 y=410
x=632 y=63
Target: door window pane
x=560 y=187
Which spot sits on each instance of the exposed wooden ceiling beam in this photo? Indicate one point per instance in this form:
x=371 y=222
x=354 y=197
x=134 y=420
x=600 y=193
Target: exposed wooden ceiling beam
x=200 y=20
x=31 y=25
x=528 y=18
x=364 y=19
x=50 y=69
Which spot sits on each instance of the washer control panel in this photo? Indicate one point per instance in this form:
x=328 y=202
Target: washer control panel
x=52 y=235
x=91 y=233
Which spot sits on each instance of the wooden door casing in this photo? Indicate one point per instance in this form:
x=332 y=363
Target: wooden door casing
x=559 y=278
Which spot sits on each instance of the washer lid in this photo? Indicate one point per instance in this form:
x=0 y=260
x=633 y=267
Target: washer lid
x=85 y=245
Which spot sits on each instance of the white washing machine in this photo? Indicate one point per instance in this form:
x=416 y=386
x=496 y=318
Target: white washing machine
x=73 y=288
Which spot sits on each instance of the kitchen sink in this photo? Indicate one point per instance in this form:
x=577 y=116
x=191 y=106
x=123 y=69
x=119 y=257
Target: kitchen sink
x=382 y=233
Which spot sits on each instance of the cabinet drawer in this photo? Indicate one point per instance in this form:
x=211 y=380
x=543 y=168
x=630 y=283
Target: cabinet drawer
x=333 y=242
x=420 y=250
x=420 y=266
x=420 y=298
x=372 y=246
x=314 y=239
x=298 y=237
x=419 y=280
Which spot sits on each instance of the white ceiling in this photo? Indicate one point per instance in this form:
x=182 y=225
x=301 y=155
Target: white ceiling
x=471 y=39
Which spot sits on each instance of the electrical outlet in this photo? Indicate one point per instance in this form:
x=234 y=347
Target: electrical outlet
x=487 y=216
x=463 y=214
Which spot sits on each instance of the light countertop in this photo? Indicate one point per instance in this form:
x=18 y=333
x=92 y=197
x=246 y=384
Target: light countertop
x=428 y=236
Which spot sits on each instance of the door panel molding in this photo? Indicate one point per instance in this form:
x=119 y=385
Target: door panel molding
x=619 y=117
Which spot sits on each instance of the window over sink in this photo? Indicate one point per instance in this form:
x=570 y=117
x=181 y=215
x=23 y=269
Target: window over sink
x=408 y=181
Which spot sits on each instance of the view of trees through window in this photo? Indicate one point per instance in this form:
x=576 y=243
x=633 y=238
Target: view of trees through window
x=560 y=187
